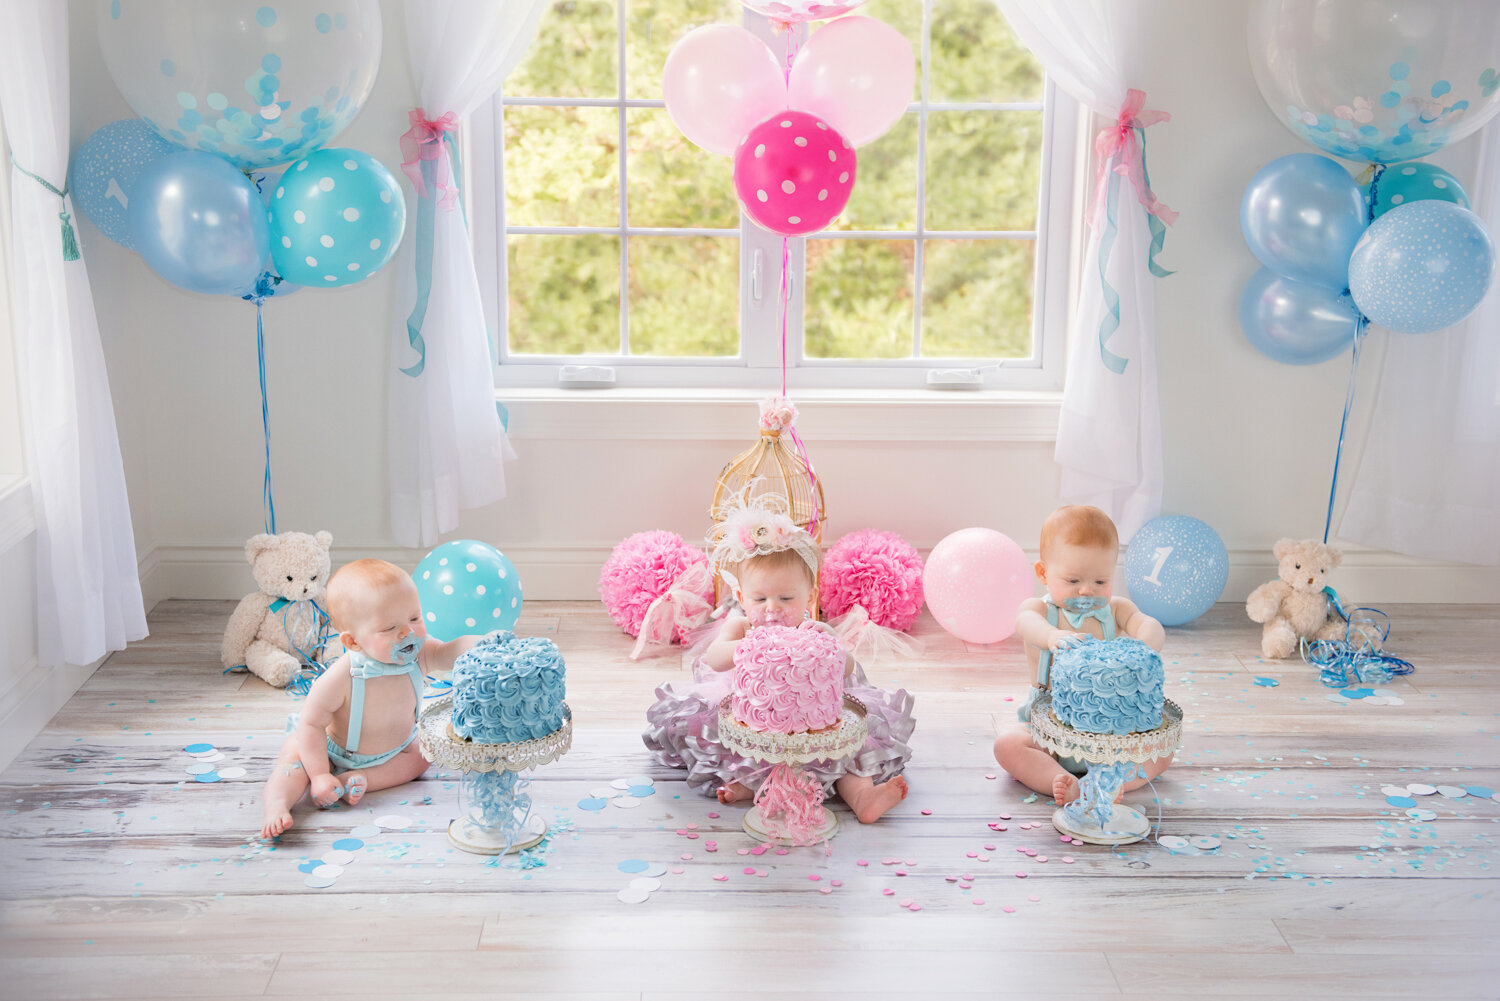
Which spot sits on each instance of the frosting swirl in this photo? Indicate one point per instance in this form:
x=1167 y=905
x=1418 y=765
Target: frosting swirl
x=787 y=679
x=507 y=689
x=1108 y=686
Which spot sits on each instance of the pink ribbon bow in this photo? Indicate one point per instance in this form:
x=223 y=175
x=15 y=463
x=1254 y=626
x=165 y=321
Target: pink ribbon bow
x=1118 y=145
x=684 y=607
x=424 y=142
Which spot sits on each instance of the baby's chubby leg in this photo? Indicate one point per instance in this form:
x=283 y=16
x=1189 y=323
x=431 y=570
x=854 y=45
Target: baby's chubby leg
x=868 y=800
x=1033 y=767
x=286 y=785
x=404 y=767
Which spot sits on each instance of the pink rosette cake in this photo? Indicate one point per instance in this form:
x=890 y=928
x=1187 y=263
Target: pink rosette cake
x=788 y=680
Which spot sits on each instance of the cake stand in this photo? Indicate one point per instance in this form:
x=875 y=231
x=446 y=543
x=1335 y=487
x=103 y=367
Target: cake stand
x=497 y=817
x=1121 y=825
x=789 y=751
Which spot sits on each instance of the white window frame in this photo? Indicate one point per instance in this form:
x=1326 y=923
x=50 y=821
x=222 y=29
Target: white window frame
x=758 y=363
x=12 y=450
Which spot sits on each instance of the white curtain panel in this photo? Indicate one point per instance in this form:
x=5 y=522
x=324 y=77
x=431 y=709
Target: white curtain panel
x=1429 y=482
x=88 y=588
x=1109 y=433
x=447 y=447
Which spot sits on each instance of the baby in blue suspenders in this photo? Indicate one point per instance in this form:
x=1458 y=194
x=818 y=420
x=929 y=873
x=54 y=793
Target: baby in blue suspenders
x=1079 y=548
x=356 y=731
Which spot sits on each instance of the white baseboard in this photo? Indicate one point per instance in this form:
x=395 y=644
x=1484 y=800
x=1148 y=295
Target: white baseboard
x=572 y=574
x=29 y=704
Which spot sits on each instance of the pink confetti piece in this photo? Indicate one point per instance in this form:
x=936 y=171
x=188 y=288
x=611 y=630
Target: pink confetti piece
x=966 y=886
x=965 y=876
x=710 y=847
x=686 y=858
x=758 y=850
x=984 y=858
x=710 y=844
x=972 y=854
x=911 y=861
x=862 y=862
x=691 y=837
x=889 y=861
x=978 y=902
x=749 y=870
x=1068 y=859
x=763 y=873
x=679 y=871
x=836 y=882
x=781 y=851
x=1021 y=849
x=1065 y=839
x=742 y=851
x=990 y=777
x=1031 y=853
x=1001 y=827
x=905 y=903
x=1020 y=875
x=681 y=832
x=1033 y=897
x=721 y=877
x=1004 y=816
x=901 y=872
x=989 y=848
x=814 y=876
x=1041 y=858
x=713 y=816
x=888 y=892
x=951 y=879
x=1010 y=698
x=926 y=813
x=825 y=889
x=692 y=827
x=915 y=907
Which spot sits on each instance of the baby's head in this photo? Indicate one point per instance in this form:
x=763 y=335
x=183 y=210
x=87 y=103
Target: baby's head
x=375 y=608
x=1079 y=548
x=769 y=563
x=776 y=589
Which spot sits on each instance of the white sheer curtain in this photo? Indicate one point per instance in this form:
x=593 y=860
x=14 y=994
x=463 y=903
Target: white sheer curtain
x=447 y=446
x=88 y=588
x=1429 y=482
x=1109 y=433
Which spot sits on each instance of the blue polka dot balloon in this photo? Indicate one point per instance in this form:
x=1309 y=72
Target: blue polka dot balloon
x=467 y=588
x=336 y=218
x=104 y=171
x=1403 y=183
x=1421 y=267
x=1176 y=568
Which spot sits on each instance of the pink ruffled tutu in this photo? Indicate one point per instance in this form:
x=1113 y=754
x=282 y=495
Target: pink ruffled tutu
x=682 y=730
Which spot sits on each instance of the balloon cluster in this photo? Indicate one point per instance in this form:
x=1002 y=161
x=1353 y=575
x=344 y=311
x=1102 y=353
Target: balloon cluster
x=1385 y=82
x=792 y=131
x=225 y=91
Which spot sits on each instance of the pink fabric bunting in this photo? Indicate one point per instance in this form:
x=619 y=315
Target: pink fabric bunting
x=424 y=142
x=1118 y=148
x=683 y=607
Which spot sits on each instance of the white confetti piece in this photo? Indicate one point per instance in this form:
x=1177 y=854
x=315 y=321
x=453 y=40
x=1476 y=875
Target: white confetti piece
x=362 y=831
x=319 y=882
x=1395 y=790
x=1172 y=842
x=626 y=802
x=631 y=895
x=639 y=780
x=1421 y=789
x=199 y=768
x=337 y=857
x=393 y=822
x=646 y=883
x=233 y=772
x=210 y=756
x=1452 y=792
x=1417 y=813
x=1204 y=843
x=605 y=792
x=328 y=871
x=621 y=784
x=655 y=869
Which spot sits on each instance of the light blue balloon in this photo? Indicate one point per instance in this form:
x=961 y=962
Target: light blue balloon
x=1422 y=267
x=467 y=588
x=1403 y=183
x=104 y=172
x=1302 y=215
x=336 y=218
x=199 y=223
x=1296 y=323
x=1176 y=567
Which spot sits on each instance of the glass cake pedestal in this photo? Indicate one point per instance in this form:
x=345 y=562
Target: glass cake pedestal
x=493 y=798
x=788 y=752
x=1120 y=824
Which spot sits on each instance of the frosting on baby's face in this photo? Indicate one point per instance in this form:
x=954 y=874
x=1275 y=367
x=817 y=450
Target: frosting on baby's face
x=1082 y=575
x=389 y=627
x=777 y=595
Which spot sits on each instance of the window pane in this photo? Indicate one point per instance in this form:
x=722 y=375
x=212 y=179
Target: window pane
x=561 y=167
x=573 y=55
x=684 y=296
x=859 y=299
x=976 y=299
x=564 y=294
x=885 y=182
x=983 y=169
x=654 y=26
x=976 y=57
x=672 y=182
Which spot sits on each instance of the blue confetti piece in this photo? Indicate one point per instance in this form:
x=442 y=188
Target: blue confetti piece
x=641 y=792
x=198 y=748
x=1401 y=801
x=207 y=777
x=309 y=865
x=634 y=865
x=592 y=804
x=349 y=844
x=1485 y=791
x=1356 y=693
x=1267 y=682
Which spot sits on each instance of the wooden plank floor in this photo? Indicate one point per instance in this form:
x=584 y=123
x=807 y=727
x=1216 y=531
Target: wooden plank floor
x=123 y=877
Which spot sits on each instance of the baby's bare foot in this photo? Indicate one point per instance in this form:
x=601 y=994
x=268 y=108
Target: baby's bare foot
x=354 y=787
x=278 y=820
x=1065 y=789
x=734 y=792
x=871 y=802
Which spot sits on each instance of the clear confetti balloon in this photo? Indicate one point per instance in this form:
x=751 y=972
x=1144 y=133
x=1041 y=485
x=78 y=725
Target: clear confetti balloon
x=104 y=172
x=336 y=218
x=1421 y=267
x=256 y=83
x=467 y=588
x=797 y=11
x=1377 y=80
x=1176 y=568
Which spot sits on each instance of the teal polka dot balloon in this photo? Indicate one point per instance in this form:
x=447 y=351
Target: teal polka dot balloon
x=1421 y=267
x=336 y=218
x=467 y=588
x=1404 y=183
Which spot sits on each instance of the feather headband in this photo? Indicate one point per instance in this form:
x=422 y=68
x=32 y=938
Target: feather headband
x=758 y=526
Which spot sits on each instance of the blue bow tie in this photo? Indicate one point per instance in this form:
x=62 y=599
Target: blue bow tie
x=1076 y=619
x=361 y=666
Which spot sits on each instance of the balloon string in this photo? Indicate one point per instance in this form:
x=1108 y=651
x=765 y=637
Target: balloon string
x=1359 y=332
x=267 y=493
x=785 y=303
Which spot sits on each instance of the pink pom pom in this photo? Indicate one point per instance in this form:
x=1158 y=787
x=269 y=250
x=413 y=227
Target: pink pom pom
x=641 y=569
x=879 y=571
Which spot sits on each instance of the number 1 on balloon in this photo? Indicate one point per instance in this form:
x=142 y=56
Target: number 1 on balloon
x=1162 y=552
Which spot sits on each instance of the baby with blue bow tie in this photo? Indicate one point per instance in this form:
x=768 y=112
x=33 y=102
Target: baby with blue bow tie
x=360 y=714
x=1079 y=549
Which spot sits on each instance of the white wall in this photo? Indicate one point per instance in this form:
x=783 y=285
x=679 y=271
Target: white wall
x=1249 y=443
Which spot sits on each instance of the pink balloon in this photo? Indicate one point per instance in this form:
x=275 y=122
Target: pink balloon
x=797 y=11
x=720 y=80
x=857 y=75
x=975 y=581
x=793 y=173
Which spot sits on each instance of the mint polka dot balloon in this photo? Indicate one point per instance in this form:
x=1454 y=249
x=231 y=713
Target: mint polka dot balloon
x=467 y=588
x=336 y=218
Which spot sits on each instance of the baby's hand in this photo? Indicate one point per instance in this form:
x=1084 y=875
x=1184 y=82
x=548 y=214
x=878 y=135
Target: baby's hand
x=817 y=624
x=326 y=790
x=1061 y=639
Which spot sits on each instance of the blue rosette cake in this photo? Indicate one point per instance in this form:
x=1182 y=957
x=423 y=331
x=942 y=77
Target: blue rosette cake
x=507 y=689
x=1108 y=686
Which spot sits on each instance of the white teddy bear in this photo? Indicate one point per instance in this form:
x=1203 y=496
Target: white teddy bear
x=1294 y=607
x=274 y=631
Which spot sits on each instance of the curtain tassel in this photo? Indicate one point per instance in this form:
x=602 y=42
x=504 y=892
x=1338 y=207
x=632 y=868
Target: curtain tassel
x=70 y=242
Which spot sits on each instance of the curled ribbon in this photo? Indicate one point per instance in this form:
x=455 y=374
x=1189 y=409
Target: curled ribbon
x=797 y=797
x=682 y=608
x=868 y=640
x=426 y=142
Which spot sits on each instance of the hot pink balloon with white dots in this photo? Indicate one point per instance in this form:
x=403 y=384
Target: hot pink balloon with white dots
x=793 y=173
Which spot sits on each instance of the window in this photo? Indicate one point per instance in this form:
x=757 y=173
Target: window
x=12 y=461
x=619 y=244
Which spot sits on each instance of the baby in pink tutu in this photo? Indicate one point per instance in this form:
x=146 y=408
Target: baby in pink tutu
x=771 y=567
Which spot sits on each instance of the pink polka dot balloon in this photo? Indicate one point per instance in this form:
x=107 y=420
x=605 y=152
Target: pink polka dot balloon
x=797 y=11
x=793 y=173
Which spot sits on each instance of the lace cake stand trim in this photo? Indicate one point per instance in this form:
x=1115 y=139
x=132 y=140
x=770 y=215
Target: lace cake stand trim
x=442 y=746
x=1105 y=748
x=797 y=748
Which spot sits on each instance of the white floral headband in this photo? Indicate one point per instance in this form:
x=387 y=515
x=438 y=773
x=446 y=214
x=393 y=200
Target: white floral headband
x=758 y=527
